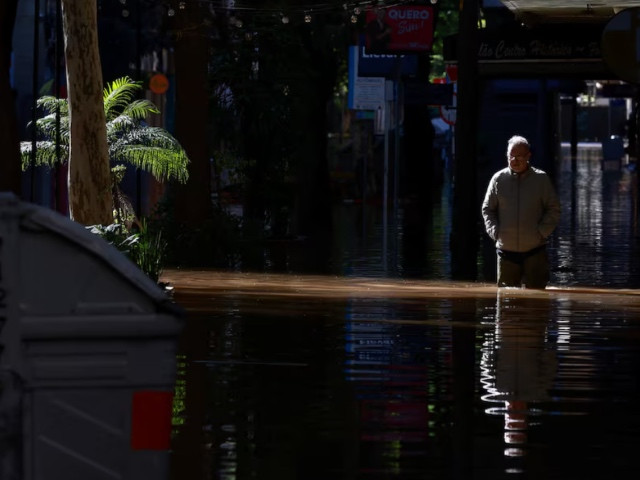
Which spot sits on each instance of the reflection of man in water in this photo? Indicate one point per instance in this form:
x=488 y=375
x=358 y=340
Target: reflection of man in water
x=378 y=32
x=522 y=368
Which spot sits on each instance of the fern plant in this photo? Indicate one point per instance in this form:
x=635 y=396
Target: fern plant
x=146 y=248
x=130 y=139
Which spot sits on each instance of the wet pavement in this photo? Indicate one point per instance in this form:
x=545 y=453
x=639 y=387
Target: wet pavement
x=383 y=368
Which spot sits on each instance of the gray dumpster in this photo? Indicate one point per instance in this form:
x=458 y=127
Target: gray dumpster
x=87 y=354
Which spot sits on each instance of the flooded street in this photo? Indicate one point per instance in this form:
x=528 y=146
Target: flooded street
x=382 y=368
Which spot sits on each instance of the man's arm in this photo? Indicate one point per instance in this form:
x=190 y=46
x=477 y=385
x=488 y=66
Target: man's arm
x=552 y=210
x=490 y=210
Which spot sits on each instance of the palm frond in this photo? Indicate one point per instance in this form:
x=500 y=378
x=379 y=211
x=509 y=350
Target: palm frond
x=158 y=161
x=120 y=125
x=51 y=104
x=118 y=94
x=153 y=136
x=153 y=150
x=48 y=125
x=140 y=109
x=46 y=154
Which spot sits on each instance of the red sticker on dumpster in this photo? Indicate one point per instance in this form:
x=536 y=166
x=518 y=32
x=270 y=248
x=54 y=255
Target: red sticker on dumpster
x=151 y=420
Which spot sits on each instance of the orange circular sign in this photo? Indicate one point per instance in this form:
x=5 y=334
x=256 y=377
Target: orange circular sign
x=159 y=83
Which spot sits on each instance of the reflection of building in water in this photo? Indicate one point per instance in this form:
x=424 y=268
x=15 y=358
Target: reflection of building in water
x=518 y=365
x=394 y=369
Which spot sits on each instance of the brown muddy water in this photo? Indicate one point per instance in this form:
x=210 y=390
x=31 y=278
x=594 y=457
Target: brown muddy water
x=309 y=377
x=374 y=371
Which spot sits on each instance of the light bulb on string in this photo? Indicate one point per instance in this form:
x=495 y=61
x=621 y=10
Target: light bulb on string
x=285 y=19
x=307 y=18
x=354 y=19
x=182 y=5
x=125 y=13
x=171 y=12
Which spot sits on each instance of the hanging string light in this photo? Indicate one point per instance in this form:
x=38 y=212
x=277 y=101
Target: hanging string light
x=356 y=7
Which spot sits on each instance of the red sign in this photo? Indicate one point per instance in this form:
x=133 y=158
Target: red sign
x=399 y=29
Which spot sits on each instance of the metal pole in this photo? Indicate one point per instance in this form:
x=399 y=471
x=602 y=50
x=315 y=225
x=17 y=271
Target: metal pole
x=34 y=93
x=365 y=142
x=396 y=159
x=139 y=74
x=385 y=194
x=56 y=87
x=574 y=131
x=364 y=145
x=464 y=232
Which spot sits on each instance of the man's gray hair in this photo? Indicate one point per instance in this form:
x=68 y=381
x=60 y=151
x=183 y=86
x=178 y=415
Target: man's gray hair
x=517 y=140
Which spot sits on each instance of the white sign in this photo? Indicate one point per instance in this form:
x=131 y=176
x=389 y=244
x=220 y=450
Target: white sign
x=369 y=93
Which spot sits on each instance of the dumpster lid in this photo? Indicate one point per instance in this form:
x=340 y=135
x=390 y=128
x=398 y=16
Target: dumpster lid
x=33 y=217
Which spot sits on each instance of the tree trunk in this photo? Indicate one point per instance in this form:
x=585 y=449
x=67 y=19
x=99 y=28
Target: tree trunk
x=10 y=170
x=89 y=178
x=193 y=200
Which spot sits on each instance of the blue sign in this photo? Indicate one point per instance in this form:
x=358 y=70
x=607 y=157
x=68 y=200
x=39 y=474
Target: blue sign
x=385 y=65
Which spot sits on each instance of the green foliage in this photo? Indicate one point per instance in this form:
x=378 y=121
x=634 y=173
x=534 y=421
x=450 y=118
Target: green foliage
x=119 y=97
x=146 y=248
x=446 y=25
x=123 y=211
x=129 y=138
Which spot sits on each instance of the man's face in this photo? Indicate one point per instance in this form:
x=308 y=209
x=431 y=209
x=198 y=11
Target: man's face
x=518 y=158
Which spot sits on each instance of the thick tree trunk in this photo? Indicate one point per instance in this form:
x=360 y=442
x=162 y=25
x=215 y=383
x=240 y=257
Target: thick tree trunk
x=10 y=171
x=89 y=178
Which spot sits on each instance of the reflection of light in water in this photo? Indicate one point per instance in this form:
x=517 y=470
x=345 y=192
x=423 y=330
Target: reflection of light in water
x=514 y=470
x=591 y=245
x=564 y=326
x=582 y=199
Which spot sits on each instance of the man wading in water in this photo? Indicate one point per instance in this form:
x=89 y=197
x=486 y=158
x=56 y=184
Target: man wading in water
x=520 y=211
